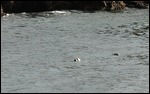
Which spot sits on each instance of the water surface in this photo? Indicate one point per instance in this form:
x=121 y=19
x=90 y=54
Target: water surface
x=38 y=49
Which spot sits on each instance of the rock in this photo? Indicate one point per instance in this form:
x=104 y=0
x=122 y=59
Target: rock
x=115 y=5
x=88 y=5
x=29 y=6
x=7 y=6
x=39 y=6
x=137 y=4
x=120 y=5
x=2 y=11
x=60 y=5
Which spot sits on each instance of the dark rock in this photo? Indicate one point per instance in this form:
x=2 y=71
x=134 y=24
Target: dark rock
x=88 y=5
x=29 y=6
x=38 y=6
x=59 y=5
x=137 y=4
x=7 y=6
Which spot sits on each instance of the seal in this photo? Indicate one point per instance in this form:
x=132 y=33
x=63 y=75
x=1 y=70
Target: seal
x=77 y=60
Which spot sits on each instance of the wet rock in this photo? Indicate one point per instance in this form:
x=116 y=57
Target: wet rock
x=115 y=5
x=7 y=6
x=30 y=6
x=137 y=4
x=38 y=6
x=88 y=5
x=59 y=5
x=24 y=6
x=2 y=13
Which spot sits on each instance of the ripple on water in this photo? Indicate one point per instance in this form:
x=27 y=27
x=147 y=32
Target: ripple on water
x=38 y=52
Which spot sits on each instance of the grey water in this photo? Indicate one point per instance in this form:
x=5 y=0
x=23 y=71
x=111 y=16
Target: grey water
x=38 y=52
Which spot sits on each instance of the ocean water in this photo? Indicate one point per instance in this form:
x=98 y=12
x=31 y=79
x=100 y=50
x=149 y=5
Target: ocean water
x=38 y=52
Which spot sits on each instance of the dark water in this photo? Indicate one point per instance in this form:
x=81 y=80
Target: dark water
x=38 y=51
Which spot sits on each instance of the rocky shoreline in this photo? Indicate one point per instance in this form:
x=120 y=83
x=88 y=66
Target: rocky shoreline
x=39 y=6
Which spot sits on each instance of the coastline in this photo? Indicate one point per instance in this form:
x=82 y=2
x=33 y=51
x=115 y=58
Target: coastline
x=40 y=6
